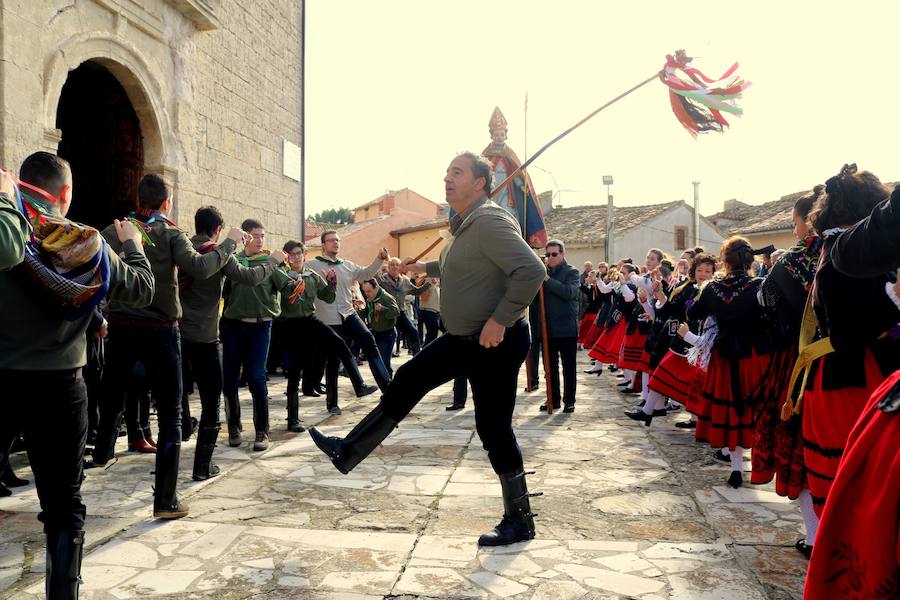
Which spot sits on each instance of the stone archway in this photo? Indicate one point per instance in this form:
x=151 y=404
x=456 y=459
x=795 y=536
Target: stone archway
x=103 y=141
x=134 y=87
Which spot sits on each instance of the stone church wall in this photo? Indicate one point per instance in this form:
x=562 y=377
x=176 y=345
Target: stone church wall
x=215 y=85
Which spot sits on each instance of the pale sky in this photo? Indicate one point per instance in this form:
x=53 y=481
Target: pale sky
x=395 y=88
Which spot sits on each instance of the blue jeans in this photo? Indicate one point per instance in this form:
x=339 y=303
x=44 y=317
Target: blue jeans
x=247 y=344
x=385 y=342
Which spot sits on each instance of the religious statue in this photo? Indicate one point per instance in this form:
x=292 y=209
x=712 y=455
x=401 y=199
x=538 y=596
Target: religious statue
x=518 y=195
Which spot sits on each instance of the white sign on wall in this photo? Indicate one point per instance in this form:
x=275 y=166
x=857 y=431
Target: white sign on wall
x=291 y=160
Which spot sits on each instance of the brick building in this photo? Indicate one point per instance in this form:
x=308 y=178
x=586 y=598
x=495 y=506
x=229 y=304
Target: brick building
x=205 y=92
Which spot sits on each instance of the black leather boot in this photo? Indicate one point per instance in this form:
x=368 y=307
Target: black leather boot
x=233 y=419
x=366 y=436
x=204 y=468
x=63 y=570
x=165 y=501
x=517 y=524
x=293 y=412
x=107 y=434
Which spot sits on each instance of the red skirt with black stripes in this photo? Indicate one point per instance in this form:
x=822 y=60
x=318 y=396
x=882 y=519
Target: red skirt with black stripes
x=634 y=356
x=584 y=327
x=778 y=445
x=856 y=545
x=722 y=419
x=593 y=335
x=828 y=417
x=609 y=345
x=674 y=377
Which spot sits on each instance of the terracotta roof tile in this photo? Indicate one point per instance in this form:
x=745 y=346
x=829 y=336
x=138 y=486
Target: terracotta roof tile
x=587 y=224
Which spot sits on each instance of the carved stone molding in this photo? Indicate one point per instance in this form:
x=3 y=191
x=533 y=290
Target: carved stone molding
x=200 y=12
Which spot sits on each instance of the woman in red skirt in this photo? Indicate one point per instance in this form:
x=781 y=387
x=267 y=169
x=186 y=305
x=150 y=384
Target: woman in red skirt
x=609 y=345
x=778 y=444
x=736 y=363
x=635 y=357
x=674 y=376
x=593 y=301
x=854 y=314
x=858 y=541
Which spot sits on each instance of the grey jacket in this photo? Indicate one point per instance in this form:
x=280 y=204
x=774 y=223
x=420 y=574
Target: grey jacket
x=487 y=270
x=347 y=272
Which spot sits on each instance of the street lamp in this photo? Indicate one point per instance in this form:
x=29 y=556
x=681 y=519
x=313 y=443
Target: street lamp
x=608 y=181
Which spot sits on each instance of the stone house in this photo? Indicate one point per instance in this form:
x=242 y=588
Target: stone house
x=668 y=226
x=204 y=92
x=376 y=220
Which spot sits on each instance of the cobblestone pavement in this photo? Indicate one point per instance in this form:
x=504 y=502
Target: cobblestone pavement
x=627 y=512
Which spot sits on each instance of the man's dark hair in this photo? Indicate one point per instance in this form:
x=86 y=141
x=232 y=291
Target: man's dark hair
x=291 y=244
x=558 y=244
x=250 y=224
x=46 y=171
x=629 y=267
x=628 y=261
x=325 y=234
x=153 y=190
x=373 y=282
x=207 y=219
x=482 y=167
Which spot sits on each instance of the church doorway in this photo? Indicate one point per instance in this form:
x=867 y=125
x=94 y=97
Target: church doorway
x=102 y=140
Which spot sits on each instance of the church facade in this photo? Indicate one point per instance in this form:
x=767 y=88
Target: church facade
x=205 y=92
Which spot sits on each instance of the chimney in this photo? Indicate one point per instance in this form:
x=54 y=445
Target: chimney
x=545 y=199
x=731 y=204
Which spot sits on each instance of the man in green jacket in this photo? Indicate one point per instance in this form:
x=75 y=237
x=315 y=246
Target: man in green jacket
x=42 y=352
x=246 y=331
x=201 y=356
x=309 y=339
x=383 y=313
x=489 y=276
x=151 y=336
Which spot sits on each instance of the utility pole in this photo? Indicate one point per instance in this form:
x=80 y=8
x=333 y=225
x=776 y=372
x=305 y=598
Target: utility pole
x=610 y=256
x=696 y=214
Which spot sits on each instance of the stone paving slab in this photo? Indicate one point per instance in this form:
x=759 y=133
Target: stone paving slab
x=627 y=512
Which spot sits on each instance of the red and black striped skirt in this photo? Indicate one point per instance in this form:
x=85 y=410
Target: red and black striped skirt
x=608 y=346
x=634 y=356
x=674 y=377
x=722 y=419
x=856 y=545
x=828 y=417
x=778 y=445
x=584 y=327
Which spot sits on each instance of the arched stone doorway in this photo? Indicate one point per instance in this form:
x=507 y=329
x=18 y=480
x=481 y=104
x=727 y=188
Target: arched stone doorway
x=103 y=141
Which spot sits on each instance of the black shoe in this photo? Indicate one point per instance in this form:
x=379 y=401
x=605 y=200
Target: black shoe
x=311 y=393
x=719 y=455
x=639 y=415
x=543 y=407
x=660 y=412
x=736 y=479
x=569 y=408
x=692 y=424
x=623 y=384
x=206 y=442
x=320 y=388
x=63 y=564
x=4 y=491
x=366 y=390
x=9 y=479
x=613 y=368
x=455 y=406
x=517 y=524
x=165 y=501
x=348 y=452
x=803 y=548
